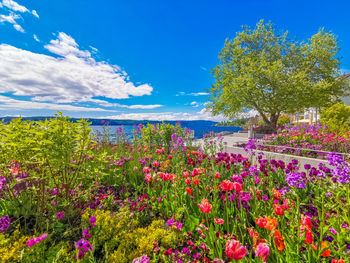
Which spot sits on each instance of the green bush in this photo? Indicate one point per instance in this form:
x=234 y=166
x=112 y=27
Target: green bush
x=283 y=120
x=336 y=117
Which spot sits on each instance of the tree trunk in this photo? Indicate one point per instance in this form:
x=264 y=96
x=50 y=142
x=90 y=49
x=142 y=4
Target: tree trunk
x=272 y=123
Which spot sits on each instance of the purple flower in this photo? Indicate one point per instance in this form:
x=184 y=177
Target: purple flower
x=5 y=223
x=295 y=179
x=245 y=196
x=307 y=166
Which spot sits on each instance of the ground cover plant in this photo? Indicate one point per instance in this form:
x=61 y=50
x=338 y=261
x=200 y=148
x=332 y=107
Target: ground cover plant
x=305 y=140
x=66 y=197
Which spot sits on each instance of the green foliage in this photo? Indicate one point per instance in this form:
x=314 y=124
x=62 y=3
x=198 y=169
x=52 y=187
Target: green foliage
x=160 y=135
x=336 y=117
x=283 y=120
x=47 y=154
x=237 y=123
x=264 y=70
x=119 y=237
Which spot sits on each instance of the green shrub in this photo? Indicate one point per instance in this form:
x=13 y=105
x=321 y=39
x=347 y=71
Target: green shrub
x=336 y=117
x=283 y=120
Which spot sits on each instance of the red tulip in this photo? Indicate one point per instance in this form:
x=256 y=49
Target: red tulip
x=219 y=221
x=234 y=250
x=226 y=185
x=238 y=187
x=205 y=206
x=279 y=210
x=189 y=190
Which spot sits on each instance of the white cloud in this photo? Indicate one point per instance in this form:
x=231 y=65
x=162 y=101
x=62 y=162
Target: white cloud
x=181 y=93
x=14 y=6
x=194 y=104
x=169 y=116
x=199 y=94
x=7 y=103
x=14 y=9
x=74 y=76
x=144 y=107
x=11 y=18
x=35 y=13
x=18 y=28
x=36 y=38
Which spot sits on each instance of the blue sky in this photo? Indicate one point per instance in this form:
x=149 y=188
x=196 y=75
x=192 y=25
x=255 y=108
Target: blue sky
x=135 y=59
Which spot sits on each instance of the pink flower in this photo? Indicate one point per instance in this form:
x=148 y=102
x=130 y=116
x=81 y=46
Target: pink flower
x=148 y=178
x=59 y=215
x=333 y=231
x=217 y=175
x=262 y=251
x=36 y=240
x=235 y=250
x=92 y=221
x=146 y=170
x=219 y=221
x=205 y=206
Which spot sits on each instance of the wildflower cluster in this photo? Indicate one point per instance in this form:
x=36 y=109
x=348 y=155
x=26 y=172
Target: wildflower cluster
x=161 y=199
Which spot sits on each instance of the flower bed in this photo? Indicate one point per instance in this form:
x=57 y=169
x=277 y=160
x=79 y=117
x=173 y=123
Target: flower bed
x=304 y=140
x=66 y=197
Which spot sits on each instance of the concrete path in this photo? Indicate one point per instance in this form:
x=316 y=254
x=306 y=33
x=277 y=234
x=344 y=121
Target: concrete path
x=230 y=142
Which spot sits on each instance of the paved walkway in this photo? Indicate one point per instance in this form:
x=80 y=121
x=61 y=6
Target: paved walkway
x=230 y=142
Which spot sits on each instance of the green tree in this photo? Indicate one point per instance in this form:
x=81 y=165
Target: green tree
x=264 y=70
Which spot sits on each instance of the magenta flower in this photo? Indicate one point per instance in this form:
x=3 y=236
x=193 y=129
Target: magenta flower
x=333 y=231
x=36 y=240
x=142 y=259
x=92 y=221
x=5 y=223
x=59 y=215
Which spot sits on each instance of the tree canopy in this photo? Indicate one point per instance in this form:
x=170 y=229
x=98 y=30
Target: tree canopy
x=265 y=70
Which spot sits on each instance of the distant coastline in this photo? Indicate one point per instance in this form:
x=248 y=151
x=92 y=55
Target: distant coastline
x=111 y=122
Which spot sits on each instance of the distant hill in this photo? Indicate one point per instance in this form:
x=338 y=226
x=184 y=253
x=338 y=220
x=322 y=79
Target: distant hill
x=113 y=122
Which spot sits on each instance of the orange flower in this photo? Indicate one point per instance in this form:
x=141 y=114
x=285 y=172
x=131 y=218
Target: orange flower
x=314 y=247
x=279 y=241
x=256 y=238
x=267 y=222
x=205 y=206
x=337 y=261
x=195 y=181
x=327 y=252
x=276 y=194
